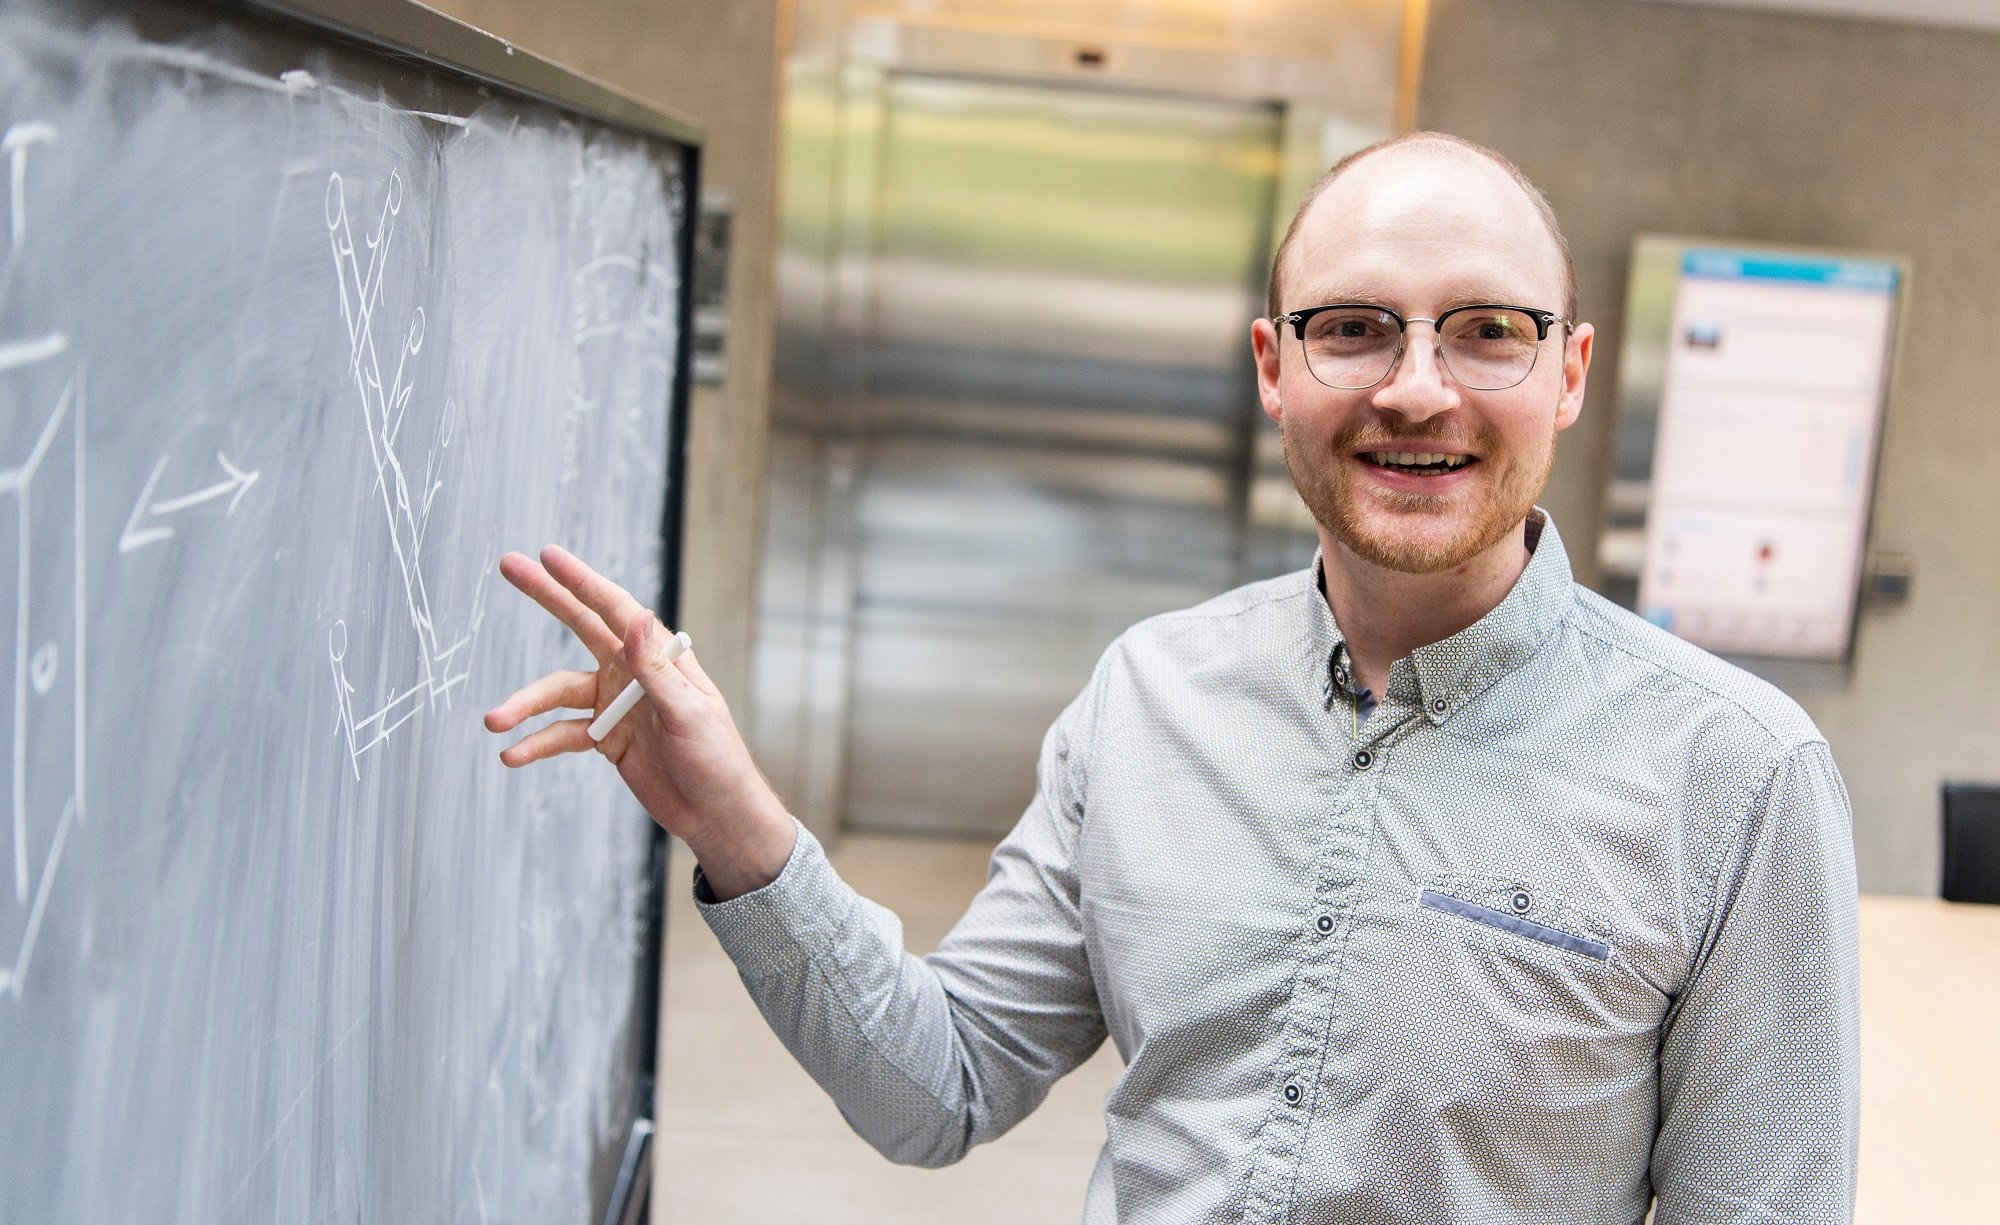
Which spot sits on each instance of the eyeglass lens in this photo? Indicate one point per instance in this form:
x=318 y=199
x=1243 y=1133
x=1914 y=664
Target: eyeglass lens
x=1485 y=348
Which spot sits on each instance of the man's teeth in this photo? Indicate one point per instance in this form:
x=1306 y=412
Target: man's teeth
x=1418 y=459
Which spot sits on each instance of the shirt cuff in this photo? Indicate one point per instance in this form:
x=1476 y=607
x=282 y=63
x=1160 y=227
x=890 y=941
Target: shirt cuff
x=776 y=927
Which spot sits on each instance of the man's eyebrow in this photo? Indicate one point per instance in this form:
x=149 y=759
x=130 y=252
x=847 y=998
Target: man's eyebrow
x=1326 y=297
x=1478 y=296
x=1484 y=298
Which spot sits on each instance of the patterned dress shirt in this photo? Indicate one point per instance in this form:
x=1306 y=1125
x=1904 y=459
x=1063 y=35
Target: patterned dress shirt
x=1566 y=924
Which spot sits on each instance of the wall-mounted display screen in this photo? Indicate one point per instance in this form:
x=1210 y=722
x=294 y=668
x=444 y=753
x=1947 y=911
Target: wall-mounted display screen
x=1750 y=407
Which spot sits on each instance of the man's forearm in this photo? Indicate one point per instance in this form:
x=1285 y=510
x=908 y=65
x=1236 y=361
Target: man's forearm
x=744 y=853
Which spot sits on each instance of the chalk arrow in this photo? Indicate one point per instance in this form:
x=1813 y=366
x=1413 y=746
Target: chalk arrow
x=136 y=537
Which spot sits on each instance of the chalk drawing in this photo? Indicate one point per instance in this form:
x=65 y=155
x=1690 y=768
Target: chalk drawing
x=604 y=291
x=35 y=672
x=362 y=270
x=14 y=147
x=134 y=536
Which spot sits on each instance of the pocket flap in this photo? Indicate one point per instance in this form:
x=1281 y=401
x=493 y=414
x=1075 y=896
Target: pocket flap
x=1515 y=904
x=1515 y=923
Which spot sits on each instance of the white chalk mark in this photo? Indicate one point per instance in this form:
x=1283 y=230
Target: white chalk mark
x=77 y=487
x=238 y=482
x=190 y=61
x=361 y=272
x=343 y=692
x=49 y=865
x=385 y=733
x=24 y=578
x=26 y=472
x=18 y=353
x=391 y=704
x=15 y=145
x=135 y=537
x=629 y=262
x=23 y=553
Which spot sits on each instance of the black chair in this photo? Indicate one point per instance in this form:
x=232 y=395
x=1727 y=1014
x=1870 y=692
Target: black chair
x=1971 y=843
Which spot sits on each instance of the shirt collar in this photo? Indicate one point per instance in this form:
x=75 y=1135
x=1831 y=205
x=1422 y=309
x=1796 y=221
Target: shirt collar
x=1441 y=677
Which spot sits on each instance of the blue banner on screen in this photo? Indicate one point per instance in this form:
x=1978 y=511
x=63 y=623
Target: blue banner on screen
x=1869 y=275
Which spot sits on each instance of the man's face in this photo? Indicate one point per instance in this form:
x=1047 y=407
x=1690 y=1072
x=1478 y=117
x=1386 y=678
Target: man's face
x=1420 y=232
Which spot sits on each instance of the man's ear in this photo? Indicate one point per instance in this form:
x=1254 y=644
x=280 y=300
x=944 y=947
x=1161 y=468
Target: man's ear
x=1576 y=370
x=1264 y=343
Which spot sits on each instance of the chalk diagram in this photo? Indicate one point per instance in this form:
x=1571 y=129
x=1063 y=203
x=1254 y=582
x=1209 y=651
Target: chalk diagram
x=48 y=660
x=40 y=817
x=406 y=505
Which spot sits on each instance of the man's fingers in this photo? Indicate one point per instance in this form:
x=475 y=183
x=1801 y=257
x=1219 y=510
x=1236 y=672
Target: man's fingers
x=538 y=585
x=607 y=599
x=650 y=655
x=564 y=736
x=566 y=688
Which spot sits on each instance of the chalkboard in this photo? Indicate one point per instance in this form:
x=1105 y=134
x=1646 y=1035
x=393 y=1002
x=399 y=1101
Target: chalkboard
x=300 y=332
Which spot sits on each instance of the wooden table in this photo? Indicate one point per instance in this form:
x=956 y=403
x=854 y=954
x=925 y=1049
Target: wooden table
x=1930 y=1063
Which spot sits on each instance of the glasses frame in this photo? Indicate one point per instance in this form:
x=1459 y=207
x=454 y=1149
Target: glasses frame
x=1544 y=320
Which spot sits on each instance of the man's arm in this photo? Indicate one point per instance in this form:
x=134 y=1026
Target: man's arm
x=1760 y=1060
x=925 y=1057
x=928 y=1057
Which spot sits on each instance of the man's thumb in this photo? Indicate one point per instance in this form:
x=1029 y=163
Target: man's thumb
x=650 y=651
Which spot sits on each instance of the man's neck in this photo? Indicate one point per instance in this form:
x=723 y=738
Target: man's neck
x=1385 y=614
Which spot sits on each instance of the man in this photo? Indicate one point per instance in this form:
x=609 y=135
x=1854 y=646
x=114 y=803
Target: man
x=1420 y=886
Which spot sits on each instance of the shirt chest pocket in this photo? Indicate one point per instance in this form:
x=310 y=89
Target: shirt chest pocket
x=1530 y=985
x=1519 y=908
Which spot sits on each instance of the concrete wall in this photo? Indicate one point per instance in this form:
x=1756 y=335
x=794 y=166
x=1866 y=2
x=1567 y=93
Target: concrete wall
x=714 y=61
x=1639 y=117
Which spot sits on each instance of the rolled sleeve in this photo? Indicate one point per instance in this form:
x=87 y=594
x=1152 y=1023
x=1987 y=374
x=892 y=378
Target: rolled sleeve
x=1759 y=1063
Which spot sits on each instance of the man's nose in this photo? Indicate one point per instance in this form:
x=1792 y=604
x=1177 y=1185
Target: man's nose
x=1419 y=387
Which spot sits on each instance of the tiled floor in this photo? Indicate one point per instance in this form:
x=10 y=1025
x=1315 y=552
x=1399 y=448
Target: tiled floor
x=747 y=1139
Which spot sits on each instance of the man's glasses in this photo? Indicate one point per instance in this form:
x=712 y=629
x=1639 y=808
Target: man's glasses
x=1352 y=347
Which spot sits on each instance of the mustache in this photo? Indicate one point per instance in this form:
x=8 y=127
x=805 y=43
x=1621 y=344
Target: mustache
x=1350 y=440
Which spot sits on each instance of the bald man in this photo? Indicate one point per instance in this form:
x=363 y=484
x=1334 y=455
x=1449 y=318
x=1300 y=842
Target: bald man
x=1422 y=885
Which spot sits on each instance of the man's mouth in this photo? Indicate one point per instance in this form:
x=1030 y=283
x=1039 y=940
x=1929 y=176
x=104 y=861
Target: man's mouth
x=1417 y=463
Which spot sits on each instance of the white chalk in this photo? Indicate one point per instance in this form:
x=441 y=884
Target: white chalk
x=622 y=705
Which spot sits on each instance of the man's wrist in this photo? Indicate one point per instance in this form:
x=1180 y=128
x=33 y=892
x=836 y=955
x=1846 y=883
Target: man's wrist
x=747 y=853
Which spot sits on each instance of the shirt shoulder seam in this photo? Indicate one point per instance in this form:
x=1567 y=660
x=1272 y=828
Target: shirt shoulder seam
x=1787 y=745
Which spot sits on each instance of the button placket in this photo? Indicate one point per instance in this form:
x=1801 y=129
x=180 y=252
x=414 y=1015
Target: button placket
x=1337 y=871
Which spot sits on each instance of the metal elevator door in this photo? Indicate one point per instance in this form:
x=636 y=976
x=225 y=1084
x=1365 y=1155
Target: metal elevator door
x=1058 y=410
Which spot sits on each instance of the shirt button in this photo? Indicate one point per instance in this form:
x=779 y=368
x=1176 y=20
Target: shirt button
x=1325 y=924
x=1439 y=706
x=1292 y=1094
x=1522 y=901
x=1363 y=759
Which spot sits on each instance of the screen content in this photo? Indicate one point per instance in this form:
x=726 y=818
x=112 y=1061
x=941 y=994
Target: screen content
x=1763 y=464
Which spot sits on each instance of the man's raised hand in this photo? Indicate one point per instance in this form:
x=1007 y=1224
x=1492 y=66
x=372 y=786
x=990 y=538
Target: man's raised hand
x=678 y=751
